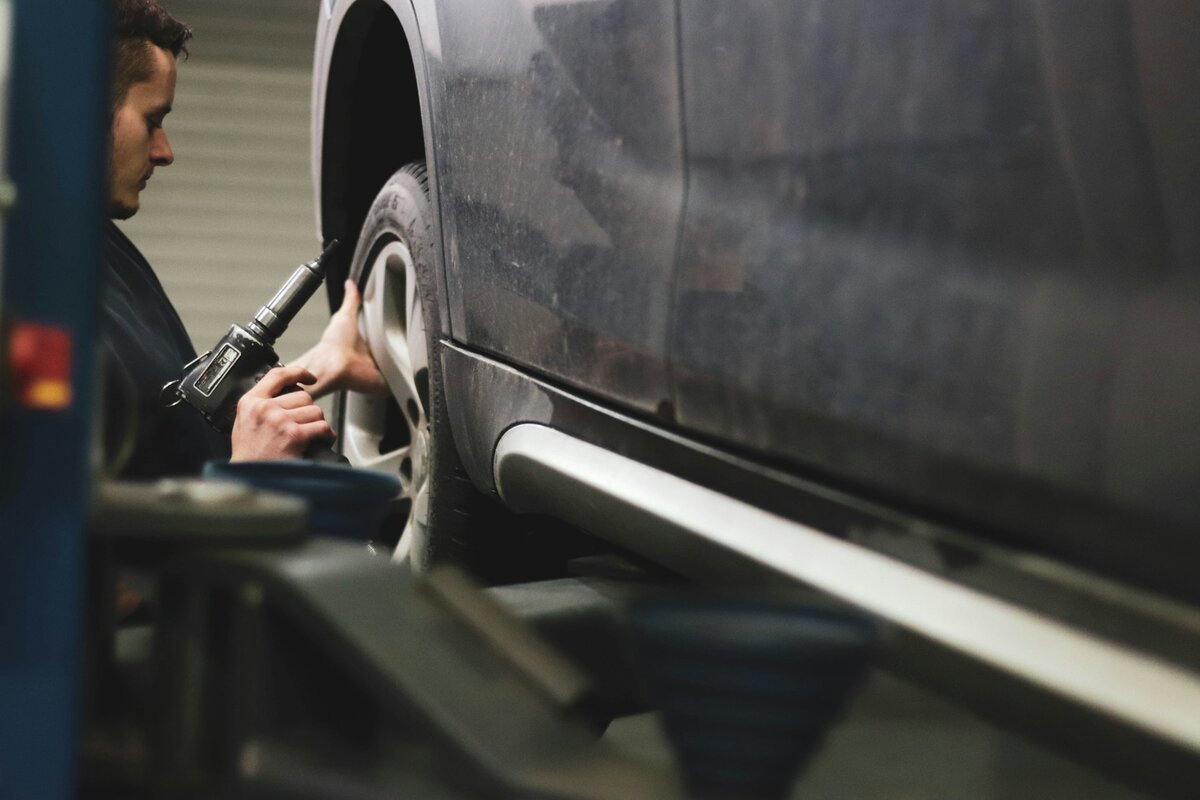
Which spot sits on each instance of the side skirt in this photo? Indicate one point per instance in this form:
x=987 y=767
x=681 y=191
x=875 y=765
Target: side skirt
x=1032 y=644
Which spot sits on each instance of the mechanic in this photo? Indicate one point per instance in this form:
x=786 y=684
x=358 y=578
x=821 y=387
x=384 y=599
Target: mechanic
x=144 y=338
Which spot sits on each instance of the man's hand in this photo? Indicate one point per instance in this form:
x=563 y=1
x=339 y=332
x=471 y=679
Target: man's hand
x=269 y=426
x=341 y=359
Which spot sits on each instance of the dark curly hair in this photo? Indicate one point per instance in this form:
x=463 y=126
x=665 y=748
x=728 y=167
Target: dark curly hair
x=140 y=24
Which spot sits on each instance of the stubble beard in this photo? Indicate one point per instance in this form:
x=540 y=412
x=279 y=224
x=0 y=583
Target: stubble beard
x=116 y=208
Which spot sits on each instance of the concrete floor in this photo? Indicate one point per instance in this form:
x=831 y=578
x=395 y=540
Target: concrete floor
x=900 y=742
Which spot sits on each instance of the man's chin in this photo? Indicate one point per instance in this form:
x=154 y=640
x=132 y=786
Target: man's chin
x=121 y=211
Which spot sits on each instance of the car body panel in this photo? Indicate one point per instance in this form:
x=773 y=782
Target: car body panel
x=560 y=168
x=928 y=253
x=938 y=254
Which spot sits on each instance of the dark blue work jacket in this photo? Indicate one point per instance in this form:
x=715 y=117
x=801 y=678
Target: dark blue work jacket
x=147 y=346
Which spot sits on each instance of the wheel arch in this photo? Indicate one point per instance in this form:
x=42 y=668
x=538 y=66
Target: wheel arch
x=375 y=120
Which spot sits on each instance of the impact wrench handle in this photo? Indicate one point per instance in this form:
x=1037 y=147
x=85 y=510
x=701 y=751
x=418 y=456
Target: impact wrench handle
x=214 y=382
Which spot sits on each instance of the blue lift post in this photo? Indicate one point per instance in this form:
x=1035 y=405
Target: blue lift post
x=57 y=123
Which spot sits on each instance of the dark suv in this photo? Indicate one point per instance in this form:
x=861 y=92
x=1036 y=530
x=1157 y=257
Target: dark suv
x=898 y=300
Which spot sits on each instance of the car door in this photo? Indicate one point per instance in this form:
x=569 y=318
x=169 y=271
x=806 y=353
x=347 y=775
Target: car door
x=940 y=252
x=560 y=173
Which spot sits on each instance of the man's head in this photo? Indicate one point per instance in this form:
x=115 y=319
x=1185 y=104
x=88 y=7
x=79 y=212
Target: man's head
x=147 y=41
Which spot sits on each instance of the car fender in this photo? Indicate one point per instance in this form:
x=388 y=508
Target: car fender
x=342 y=23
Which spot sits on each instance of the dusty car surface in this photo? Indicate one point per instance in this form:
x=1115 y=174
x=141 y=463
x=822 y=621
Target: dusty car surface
x=915 y=278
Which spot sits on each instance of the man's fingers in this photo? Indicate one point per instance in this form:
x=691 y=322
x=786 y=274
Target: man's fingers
x=317 y=430
x=306 y=414
x=279 y=379
x=295 y=399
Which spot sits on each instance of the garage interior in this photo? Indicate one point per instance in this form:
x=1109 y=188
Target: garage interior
x=283 y=664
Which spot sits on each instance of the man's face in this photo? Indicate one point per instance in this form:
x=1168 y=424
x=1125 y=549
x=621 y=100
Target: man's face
x=139 y=142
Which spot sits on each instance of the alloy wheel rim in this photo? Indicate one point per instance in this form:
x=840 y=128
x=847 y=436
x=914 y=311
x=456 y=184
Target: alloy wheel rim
x=391 y=434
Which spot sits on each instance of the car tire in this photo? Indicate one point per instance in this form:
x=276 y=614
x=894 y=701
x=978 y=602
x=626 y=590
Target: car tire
x=408 y=432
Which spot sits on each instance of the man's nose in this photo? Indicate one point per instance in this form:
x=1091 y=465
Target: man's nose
x=161 y=154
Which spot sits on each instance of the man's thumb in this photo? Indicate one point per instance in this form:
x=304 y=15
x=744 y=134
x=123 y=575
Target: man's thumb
x=350 y=297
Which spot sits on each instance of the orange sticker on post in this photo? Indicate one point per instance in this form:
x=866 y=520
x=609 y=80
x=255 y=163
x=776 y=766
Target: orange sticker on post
x=40 y=359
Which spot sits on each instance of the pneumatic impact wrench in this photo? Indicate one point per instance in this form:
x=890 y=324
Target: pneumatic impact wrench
x=214 y=382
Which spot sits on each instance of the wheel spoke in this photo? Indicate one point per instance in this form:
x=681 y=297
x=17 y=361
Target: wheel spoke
x=361 y=432
x=397 y=367
x=414 y=319
x=419 y=349
x=389 y=349
x=392 y=323
x=421 y=505
x=394 y=335
x=401 y=554
x=389 y=463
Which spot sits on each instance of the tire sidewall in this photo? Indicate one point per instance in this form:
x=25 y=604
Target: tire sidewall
x=403 y=211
